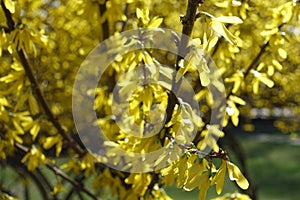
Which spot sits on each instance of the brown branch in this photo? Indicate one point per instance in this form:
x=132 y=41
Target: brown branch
x=76 y=184
x=43 y=178
x=104 y=25
x=37 y=91
x=44 y=104
x=10 y=22
x=22 y=171
x=79 y=195
x=60 y=173
x=188 y=25
x=37 y=182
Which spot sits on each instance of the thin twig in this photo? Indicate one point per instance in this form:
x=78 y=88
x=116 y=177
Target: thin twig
x=33 y=176
x=60 y=173
x=78 y=185
x=46 y=181
x=104 y=25
x=70 y=193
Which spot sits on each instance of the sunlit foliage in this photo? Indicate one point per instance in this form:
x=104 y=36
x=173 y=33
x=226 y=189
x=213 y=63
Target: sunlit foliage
x=255 y=45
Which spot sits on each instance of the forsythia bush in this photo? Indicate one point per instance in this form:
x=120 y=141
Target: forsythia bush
x=44 y=43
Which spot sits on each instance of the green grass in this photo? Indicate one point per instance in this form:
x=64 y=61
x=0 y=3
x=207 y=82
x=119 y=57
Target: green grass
x=273 y=167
